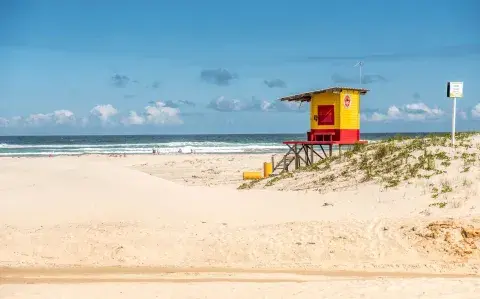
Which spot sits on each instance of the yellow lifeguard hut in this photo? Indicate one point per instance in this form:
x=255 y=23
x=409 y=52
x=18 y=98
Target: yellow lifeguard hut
x=334 y=113
x=334 y=121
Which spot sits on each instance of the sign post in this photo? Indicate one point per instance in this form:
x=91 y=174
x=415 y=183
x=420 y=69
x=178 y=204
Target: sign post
x=454 y=90
x=454 y=114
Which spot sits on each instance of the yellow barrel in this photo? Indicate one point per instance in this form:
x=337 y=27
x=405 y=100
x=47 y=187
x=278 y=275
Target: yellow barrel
x=252 y=175
x=267 y=169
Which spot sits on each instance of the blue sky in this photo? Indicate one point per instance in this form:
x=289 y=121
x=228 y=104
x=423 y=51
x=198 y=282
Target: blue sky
x=159 y=67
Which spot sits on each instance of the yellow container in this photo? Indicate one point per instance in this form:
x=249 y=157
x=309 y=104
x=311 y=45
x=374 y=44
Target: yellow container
x=252 y=175
x=267 y=169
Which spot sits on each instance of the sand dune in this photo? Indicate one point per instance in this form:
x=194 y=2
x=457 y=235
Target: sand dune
x=184 y=211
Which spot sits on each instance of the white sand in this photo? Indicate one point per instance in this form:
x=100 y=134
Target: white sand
x=372 y=289
x=158 y=211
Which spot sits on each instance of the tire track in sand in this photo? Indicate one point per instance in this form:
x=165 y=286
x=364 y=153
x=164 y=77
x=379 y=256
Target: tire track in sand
x=188 y=275
x=376 y=238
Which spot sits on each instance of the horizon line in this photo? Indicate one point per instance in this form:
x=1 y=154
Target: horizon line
x=223 y=134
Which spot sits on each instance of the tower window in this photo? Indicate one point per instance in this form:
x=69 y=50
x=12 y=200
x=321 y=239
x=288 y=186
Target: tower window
x=326 y=115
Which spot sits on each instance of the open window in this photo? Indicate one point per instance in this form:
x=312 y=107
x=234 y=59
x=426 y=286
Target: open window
x=326 y=115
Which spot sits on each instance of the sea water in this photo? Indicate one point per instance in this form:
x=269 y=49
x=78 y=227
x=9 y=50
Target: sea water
x=163 y=144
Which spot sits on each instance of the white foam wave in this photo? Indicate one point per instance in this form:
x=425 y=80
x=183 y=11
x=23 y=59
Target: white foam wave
x=117 y=145
x=208 y=147
x=92 y=149
x=128 y=145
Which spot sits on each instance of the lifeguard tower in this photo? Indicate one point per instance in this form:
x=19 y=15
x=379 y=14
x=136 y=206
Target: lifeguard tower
x=334 y=120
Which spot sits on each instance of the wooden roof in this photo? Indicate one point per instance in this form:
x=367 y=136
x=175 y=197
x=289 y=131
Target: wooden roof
x=306 y=96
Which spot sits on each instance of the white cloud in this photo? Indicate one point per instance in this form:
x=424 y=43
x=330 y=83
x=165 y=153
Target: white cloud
x=60 y=117
x=4 y=122
x=63 y=117
x=266 y=106
x=476 y=111
x=159 y=113
x=223 y=104
x=393 y=113
x=420 y=111
x=409 y=112
x=282 y=106
x=378 y=117
x=104 y=112
x=133 y=119
x=234 y=105
x=38 y=119
x=156 y=113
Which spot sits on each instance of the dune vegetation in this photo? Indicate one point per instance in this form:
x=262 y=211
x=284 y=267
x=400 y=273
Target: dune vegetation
x=388 y=163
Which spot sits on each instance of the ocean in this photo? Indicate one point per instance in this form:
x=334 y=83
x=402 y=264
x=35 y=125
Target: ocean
x=164 y=144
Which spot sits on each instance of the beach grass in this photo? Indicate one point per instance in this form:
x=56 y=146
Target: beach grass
x=394 y=161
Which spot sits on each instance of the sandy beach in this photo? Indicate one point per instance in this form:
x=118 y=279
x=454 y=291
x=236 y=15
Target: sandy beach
x=177 y=226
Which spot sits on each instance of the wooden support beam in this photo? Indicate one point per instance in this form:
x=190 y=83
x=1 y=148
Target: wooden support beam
x=302 y=153
x=321 y=146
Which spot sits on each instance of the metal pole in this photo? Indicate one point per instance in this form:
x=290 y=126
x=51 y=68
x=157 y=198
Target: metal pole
x=360 y=65
x=360 y=73
x=454 y=112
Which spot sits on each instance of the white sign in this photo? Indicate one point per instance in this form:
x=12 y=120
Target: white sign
x=455 y=89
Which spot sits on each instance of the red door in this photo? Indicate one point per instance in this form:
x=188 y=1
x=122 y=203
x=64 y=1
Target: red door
x=326 y=115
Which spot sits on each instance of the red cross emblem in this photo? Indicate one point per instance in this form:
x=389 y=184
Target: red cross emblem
x=346 y=101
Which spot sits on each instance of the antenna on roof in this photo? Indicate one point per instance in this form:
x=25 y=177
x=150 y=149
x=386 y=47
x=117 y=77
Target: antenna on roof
x=360 y=65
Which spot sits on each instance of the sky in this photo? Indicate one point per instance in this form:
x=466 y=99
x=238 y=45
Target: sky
x=218 y=67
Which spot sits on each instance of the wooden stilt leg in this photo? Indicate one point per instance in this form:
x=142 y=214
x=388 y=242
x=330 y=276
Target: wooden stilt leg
x=311 y=155
x=296 y=156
